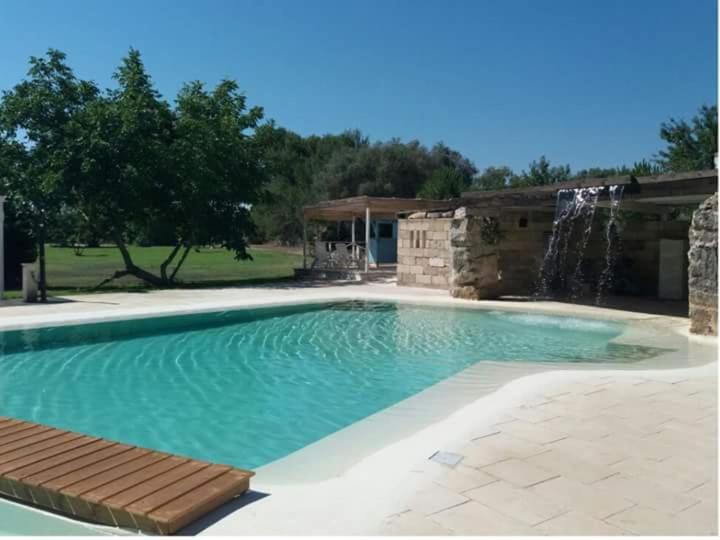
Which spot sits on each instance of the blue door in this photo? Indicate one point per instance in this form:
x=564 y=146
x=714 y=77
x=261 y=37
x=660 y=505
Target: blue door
x=383 y=241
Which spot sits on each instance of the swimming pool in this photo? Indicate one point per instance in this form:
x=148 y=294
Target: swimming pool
x=248 y=387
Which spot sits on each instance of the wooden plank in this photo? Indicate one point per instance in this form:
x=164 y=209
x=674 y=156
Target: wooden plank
x=147 y=487
x=71 y=441
x=39 y=443
x=178 y=489
x=70 y=478
x=116 y=473
x=110 y=483
x=118 y=503
x=8 y=423
x=184 y=510
x=81 y=463
x=21 y=431
x=54 y=462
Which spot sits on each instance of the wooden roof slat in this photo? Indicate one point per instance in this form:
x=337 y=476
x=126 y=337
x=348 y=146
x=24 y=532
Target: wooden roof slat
x=110 y=483
x=380 y=207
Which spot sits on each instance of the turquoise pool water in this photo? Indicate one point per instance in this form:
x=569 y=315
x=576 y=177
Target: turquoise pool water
x=248 y=387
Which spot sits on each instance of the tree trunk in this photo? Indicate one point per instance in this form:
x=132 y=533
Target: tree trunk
x=180 y=262
x=131 y=269
x=166 y=263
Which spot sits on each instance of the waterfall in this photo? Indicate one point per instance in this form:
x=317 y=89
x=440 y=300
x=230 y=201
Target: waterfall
x=574 y=215
x=612 y=243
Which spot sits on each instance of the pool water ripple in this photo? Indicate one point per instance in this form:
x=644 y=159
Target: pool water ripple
x=250 y=386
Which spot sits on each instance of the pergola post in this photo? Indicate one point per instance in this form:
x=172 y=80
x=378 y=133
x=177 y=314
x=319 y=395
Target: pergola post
x=367 y=238
x=354 y=247
x=2 y=246
x=304 y=243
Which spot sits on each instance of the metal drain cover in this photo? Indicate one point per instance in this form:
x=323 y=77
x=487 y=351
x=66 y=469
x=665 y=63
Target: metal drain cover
x=446 y=458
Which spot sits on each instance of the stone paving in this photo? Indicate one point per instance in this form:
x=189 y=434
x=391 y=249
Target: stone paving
x=618 y=455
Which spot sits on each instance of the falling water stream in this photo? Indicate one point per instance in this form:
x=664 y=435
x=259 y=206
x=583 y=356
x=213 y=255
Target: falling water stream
x=612 y=239
x=562 y=266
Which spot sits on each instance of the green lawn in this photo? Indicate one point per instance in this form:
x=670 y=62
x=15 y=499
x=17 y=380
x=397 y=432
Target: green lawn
x=68 y=273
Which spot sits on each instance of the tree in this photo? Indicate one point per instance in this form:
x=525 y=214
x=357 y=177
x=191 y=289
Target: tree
x=494 y=178
x=195 y=170
x=122 y=142
x=542 y=173
x=35 y=119
x=290 y=160
x=444 y=183
x=218 y=171
x=690 y=146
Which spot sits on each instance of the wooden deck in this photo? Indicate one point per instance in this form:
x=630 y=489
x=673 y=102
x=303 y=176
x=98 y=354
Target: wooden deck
x=110 y=483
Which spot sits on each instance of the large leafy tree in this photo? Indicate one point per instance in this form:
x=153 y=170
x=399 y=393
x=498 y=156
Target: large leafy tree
x=690 y=145
x=35 y=129
x=218 y=171
x=122 y=141
x=195 y=169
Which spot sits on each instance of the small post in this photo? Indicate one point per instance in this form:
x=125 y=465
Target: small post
x=2 y=246
x=304 y=243
x=354 y=248
x=367 y=238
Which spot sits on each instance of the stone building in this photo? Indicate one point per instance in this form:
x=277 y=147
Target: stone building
x=503 y=243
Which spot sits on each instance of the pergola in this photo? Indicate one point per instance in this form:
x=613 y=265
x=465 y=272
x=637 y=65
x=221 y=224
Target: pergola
x=365 y=207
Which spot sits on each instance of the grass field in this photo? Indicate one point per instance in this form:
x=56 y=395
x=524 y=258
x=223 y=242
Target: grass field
x=68 y=273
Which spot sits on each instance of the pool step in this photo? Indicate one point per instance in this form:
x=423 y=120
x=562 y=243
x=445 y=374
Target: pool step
x=110 y=483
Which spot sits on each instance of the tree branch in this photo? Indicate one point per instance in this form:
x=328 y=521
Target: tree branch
x=116 y=275
x=180 y=262
x=166 y=263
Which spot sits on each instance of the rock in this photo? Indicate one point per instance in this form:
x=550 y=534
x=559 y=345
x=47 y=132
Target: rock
x=417 y=215
x=702 y=270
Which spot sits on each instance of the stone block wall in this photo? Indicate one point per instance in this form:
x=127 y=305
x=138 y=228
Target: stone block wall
x=702 y=272
x=474 y=256
x=424 y=250
x=522 y=248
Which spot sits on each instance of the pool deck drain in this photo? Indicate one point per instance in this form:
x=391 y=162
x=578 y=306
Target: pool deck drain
x=110 y=483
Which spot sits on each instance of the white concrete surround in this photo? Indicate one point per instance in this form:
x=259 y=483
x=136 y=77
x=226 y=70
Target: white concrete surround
x=532 y=448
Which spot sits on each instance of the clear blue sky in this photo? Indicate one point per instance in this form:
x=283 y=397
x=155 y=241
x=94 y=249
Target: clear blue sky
x=585 y=82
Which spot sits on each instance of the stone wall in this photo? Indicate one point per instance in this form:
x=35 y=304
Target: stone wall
x=424 y=250
x=446 y=250
x=474 y=255
x=702 y=273
x=522 y=248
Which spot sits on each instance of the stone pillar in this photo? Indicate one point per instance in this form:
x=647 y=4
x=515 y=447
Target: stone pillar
x=703 y=265
x=474 y=258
